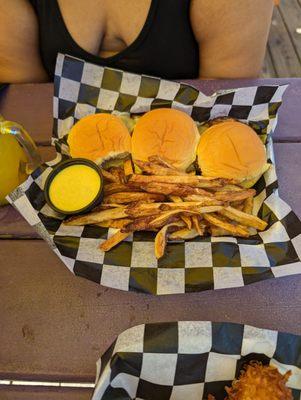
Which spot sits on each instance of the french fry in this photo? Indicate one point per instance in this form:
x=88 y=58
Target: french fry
x=115 y=223
x=143 y=210
x=156 y=169
x=128 y=197
x=168 y=189
x=248 y=205
x=204 y=200
x=235 y=195
x=114 y=240
x=164 y=217
x=191 y=180
x=111 y=188
x=103 y=206
x=159 y=161
x=217 y=231
x=96 y=217
x=172 y=189
x=238 y=205
x=109 y=177
x=236 y=230
x=176 y=199
x=187 y=221
x=184 y=234
x=184 y=218
x=118 y=173
x=243 y=218
x=161 y=239
x=128 y=167
x=200 y=228
x=160 y=242
x=139 y=224
x=229 y=188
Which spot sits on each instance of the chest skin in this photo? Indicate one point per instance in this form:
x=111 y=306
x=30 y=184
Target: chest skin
x=109 y=26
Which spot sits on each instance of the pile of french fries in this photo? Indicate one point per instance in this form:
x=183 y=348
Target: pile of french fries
x=174 y=204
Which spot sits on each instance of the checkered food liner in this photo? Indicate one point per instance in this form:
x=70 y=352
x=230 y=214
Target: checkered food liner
x=82 y=88
x=189 y=360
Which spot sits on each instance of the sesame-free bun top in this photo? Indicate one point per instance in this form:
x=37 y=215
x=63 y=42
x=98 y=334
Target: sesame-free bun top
x=99 y=137
x=168 y=133
x=231 y=149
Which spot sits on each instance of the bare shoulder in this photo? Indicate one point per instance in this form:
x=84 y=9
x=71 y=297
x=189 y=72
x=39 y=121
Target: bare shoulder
x=232 y=35
x=19 y=52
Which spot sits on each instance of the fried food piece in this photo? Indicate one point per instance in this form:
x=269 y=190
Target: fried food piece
x=157 y=169
x=96 y=217
x=243 y=218
x=128 y=167
x=199 y=227
x=190 y=180
x=102 y=207
x=169 y=189
x=174 y=189
x=161 y=239
x=235 y=195
x=229 y=188
x=160 y=161
x=143 y=210
x=129 y=197
x=238 y=205
x=186 y=219
x=118 y=173
x=217 y=231
x=164 y=217
x=109 y=177
x=111 y=188
x=114 y=240
x=184 y=234
x=139 y=224
x=236 y=230
x=205 y=200
x=260 y=382
x=248 y=205
x=115 y=223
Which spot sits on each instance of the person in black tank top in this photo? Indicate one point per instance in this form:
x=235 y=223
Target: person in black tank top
x=155 y=51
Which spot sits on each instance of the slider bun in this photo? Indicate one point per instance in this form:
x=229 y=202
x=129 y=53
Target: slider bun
x=168 y=133
x=231 y=149
x=99 y=137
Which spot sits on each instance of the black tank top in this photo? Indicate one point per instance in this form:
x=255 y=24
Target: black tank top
x=165 y=47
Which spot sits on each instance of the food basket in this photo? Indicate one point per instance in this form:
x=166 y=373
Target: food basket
x=191 y=359
x=81 y=88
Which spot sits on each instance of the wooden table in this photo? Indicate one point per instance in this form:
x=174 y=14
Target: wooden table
x=54 y=326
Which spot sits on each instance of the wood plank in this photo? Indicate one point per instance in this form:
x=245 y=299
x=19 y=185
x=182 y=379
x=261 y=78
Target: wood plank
x=283 y=52
x=288 y=162
x=54 y=326
x=268 y=70
x=290 y=11
x=20 y=102
x=29 y=393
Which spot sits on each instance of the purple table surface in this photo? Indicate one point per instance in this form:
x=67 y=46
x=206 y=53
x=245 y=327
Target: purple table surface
x=55 y=325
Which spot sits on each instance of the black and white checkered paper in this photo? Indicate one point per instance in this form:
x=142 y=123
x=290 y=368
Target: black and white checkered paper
x=200 y=264
x=189 y=360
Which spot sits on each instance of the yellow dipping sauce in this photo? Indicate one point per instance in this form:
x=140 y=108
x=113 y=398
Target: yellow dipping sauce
x=74 y=187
